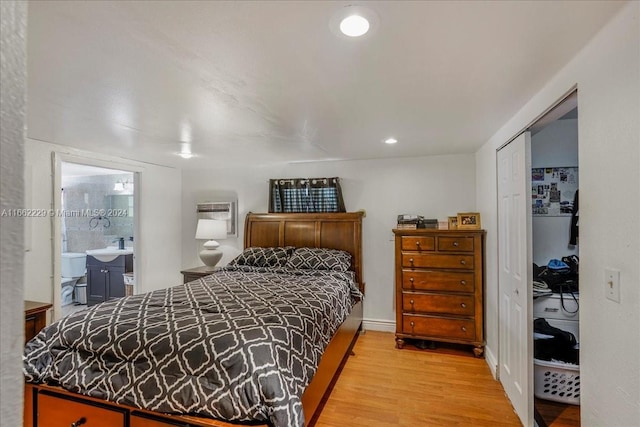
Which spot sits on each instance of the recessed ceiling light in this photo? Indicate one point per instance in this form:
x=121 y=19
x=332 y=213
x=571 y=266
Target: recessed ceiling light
x=390 y=141
x=354 y=21
x=354 y=26
x=185 y=150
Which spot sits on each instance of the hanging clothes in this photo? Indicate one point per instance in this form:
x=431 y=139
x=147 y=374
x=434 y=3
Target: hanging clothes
x=573 y=236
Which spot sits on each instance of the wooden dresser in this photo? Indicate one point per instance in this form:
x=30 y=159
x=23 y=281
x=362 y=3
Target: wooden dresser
x=440 y=286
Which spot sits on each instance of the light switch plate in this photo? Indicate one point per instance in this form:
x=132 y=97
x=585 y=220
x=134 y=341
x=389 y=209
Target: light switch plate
x=612 y=284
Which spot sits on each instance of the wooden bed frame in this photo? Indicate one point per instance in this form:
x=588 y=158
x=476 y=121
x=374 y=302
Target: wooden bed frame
x=53 y=406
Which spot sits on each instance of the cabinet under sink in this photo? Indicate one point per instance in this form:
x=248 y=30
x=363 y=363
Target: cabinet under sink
x=105 y=280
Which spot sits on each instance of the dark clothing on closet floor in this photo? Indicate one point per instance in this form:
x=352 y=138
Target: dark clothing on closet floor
x=560 y=347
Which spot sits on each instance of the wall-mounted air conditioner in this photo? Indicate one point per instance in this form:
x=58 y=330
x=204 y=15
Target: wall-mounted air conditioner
x=226 y=211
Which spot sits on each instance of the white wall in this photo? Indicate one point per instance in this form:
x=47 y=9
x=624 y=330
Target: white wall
x=554 y=146
x=157 y=245
x=607 y=74
x=436 y=186
x=13 y=70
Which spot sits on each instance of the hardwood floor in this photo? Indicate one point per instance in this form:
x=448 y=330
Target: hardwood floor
x=383 y=386
x=558 y=414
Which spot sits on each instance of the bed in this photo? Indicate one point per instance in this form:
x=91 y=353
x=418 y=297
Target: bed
x=52 y=405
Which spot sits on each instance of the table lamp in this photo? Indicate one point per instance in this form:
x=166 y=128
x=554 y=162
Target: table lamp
x=210 y=229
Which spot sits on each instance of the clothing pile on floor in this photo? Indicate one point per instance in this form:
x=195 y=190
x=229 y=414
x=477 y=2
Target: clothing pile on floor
x=554 y=344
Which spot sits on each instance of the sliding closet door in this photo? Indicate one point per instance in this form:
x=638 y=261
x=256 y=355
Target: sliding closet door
x=514 y=263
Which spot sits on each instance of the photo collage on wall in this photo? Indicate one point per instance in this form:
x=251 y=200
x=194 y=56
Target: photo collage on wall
x=553 y=190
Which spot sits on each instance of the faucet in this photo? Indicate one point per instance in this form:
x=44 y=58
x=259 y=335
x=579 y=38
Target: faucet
x=120 y=241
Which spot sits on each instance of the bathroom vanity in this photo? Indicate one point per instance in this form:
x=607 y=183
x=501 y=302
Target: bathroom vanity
x=105 y=280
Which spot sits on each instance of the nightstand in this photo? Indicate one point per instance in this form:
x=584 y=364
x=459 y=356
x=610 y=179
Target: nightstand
x=35 y=318
x=197 y=272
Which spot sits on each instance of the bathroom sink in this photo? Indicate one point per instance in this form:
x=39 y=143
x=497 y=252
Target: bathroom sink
x=109 y=254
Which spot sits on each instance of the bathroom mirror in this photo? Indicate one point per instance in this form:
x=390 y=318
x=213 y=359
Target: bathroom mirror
x=119 y=209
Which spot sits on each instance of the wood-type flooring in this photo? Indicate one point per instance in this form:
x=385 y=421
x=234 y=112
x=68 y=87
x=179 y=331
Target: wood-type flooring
x=383 y=386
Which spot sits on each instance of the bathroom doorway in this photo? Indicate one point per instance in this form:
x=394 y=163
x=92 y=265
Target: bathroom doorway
x=94 y=232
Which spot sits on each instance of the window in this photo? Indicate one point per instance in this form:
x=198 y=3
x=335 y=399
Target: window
x=305 y=195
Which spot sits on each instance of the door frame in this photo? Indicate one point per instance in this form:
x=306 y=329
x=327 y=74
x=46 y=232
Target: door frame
x=57 y=158
x=561 y=106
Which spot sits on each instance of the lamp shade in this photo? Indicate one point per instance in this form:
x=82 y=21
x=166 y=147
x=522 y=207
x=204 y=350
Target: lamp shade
x=209 y=229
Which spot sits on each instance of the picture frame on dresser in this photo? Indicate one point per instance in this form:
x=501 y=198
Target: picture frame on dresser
x=469 y=221
x=453 y=222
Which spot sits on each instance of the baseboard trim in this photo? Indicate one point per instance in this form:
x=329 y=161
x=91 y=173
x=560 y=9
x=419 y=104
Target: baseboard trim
x=492 y=361
x=379 y=325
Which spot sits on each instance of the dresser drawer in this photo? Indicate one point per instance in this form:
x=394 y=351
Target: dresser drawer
x=460 y=305
x=438 y=327
x=59 y=411
x=434 y=280
x=437 y=261
x=418 y=243
x=455 y=244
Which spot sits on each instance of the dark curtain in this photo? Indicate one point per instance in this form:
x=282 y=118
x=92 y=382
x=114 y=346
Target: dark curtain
x=305 y=195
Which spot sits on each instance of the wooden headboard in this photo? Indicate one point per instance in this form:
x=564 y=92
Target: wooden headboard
x=313 y=230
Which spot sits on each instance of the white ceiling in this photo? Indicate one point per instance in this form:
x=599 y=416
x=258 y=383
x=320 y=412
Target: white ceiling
x=267 y=81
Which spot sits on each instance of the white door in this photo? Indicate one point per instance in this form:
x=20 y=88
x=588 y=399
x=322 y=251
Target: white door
x=515 y=268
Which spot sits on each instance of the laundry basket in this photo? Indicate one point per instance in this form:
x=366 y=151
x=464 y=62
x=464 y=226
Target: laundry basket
x=128 y=283
x=557 y=381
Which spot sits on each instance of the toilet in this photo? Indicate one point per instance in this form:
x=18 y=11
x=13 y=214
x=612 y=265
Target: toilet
x=74 y=266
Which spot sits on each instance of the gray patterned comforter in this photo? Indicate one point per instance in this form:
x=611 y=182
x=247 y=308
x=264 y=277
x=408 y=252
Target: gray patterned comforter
x=239 y=345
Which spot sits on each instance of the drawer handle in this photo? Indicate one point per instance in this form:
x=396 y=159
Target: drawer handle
x=463 y=262
x=411 y=301
x=411 y=261
x=78 y=423
x=412 y=284
x=455 y=244
x=464 y=329
x=463 y=305
x=463 y=282
x=418 y=244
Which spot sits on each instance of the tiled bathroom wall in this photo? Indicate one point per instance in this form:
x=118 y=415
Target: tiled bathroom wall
x=95 y=213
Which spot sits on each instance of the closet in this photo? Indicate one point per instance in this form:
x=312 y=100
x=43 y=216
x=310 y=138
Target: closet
x=556 y=304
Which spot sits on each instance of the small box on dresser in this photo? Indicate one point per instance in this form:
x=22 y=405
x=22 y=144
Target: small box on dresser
x=440 y=286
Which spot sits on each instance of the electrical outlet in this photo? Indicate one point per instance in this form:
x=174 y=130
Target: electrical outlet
x=612 y=284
